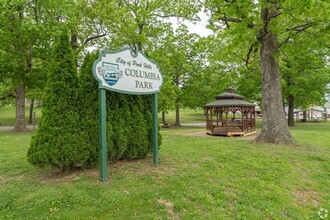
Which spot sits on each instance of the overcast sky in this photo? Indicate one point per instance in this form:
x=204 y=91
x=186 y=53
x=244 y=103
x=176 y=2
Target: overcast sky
x=198 y=27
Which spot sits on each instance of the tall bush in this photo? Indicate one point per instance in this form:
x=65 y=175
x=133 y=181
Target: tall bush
x=88 y=106
x=59 y=140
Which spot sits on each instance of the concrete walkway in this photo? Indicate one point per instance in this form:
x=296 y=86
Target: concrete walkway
x=31 y=127
x=10 y=128
x=200 y=124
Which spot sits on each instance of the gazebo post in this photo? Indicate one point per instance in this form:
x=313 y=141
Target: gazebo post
x=217 y=118
x=254 y=118
x=251 y=118
x=211 y=120
x=242 y=110
x=226 y=124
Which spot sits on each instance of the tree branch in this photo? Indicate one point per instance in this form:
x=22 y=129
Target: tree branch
x=225 y=19
x=298 y=29
x=274 y=16
x=168 y=16
x=249 y=53
x=301 y=27
x=208 y=8
x=95 y=37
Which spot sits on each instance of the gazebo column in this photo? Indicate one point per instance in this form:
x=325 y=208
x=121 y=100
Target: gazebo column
x=226 y=124
x=207 y=118
x=250 y=114
x=254 y=119
x=245 y=121
x=251 y=119
x=220 y=118
x=211 y=120
x=217 y=118
x=242 y=125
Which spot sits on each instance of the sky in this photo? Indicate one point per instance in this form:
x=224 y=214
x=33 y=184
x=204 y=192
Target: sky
x=198 y=28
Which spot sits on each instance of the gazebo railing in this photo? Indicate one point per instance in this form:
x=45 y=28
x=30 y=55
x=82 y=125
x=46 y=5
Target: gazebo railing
x=243 y=125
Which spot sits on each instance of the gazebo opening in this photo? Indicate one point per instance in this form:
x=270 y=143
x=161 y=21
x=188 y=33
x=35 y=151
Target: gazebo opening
x=230 y=115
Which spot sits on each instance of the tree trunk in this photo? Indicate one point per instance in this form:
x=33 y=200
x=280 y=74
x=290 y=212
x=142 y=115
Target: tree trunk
x=304 y=116
x=275 y=128
x=163 y=118
x=177 y=103
x=177 y=114
x=31 y=111
x=290 y=111
x=20 y=108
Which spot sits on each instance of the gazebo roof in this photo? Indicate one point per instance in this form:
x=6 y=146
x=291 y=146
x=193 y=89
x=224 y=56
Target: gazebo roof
x=229 y=102
x=229 y=95
x=229 y=98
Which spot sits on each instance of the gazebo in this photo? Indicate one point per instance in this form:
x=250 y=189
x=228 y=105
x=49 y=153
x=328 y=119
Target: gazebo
x=230 y=115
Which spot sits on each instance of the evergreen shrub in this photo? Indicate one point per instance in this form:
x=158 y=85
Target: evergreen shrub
x=59 y=140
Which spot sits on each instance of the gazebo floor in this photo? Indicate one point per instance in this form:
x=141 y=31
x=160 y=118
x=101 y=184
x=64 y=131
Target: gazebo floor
x=230 y=133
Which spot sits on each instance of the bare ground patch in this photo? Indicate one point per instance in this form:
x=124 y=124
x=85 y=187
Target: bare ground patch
x=139 y=167
x=56 y=175
x=169 y=208
x=4 y=179
x=306 y=197
x=202 y=133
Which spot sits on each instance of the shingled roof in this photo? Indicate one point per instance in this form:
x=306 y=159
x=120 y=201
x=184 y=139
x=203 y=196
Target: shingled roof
x=229 y=98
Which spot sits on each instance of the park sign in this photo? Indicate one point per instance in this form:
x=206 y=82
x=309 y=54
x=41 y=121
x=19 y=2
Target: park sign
x=127 y=71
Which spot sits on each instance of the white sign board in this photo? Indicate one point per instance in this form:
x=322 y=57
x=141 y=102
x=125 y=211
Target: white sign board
x=127 y=72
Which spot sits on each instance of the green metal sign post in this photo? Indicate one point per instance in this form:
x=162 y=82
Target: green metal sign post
x=126 y=72
x=155 y=129
x=103 y=135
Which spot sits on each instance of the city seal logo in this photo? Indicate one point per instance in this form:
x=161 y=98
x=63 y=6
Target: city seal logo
x=110 y=72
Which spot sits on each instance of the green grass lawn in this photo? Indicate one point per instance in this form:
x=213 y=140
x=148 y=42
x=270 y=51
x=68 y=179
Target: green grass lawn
x=186 y=116
x=199 y=177
x=7 y=115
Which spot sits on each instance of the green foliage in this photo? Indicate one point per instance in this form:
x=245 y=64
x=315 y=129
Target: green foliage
x=129 y=126
x=138 y=139
x=248 y=82
x=142 y=24
x=59 y=141
x=180 y=56
x=117 y=114
x=88 y=107
x=305 y=72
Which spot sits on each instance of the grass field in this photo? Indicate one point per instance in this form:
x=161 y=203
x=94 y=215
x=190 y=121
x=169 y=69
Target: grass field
x=186 y=116
x=199 y=177
x=7 y=115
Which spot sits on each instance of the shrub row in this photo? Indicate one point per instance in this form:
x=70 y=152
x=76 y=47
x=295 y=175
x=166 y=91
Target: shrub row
x=67 y=136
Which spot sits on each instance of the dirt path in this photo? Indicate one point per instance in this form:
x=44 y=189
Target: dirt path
x=202 y=133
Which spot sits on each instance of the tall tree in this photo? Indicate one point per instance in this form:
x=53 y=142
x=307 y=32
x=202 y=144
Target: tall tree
x=266 y=25
x=28 y=29
x=16 y=49
x=180 y=62
x=305 y=75
x=142 y=25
